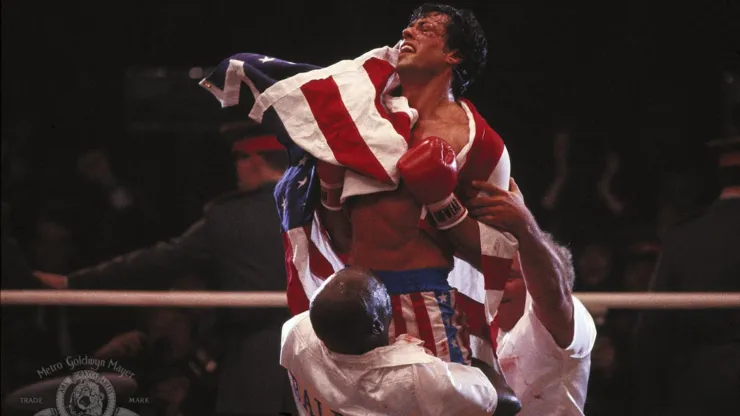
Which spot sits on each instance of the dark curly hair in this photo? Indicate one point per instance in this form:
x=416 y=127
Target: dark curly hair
x=464 y=34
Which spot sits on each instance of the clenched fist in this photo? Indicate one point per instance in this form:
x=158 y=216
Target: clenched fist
x=503 y=210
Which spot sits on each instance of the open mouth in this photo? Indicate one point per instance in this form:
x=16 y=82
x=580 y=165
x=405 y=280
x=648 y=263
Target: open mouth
x=407 y=49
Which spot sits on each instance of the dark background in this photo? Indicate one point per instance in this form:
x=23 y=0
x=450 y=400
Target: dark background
x=643 y=76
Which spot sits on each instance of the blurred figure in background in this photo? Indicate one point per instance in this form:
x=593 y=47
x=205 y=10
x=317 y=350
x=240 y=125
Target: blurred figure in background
x=28 y=342
x=690 y=359
x=612 y=358
x=594 y=268
x=170 y=353
x=679 y=199
x=237 y=246
x=640 y=259
x=582 y=203
x=122 y=215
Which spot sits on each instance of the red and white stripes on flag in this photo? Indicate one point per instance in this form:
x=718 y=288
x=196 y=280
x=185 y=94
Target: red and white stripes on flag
x=479 y=291
x=346 y=114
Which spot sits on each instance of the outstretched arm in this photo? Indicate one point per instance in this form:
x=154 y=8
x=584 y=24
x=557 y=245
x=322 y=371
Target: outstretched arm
x=155 y=263
x=546 y=266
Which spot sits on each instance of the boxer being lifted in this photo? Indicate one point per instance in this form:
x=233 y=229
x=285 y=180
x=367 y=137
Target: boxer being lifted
x=409 y=236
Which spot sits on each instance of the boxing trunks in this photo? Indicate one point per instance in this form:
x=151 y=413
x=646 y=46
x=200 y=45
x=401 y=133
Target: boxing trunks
x=424 y=306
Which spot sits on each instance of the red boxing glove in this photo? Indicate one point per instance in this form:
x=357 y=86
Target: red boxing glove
x=331 y=178
x=430 y=172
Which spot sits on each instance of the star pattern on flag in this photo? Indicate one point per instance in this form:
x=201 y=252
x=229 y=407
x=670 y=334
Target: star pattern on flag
x=266 y=59
x=453 y=343
x=295 y=195
x=303 y=161
x=442 y=298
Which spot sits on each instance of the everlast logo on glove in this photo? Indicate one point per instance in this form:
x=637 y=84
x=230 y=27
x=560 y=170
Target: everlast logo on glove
x=449 y=213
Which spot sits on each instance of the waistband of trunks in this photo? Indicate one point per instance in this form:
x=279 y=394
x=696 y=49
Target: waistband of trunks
x=416 y=280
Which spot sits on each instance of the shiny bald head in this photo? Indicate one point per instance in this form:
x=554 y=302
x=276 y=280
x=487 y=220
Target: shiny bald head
x=351 y=312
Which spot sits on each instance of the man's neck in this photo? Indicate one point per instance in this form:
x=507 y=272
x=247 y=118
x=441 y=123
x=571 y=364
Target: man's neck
x=427 y=95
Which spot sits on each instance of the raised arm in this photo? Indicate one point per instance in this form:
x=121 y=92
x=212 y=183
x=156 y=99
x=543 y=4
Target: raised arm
x=546 y=266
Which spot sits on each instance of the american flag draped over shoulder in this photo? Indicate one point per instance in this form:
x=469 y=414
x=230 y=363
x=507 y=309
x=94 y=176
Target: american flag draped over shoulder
x=345 y=114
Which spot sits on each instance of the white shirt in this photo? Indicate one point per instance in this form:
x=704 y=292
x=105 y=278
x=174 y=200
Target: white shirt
x=400 y=379
x=548 y=379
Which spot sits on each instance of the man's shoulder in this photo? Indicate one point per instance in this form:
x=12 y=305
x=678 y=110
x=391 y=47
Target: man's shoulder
x=299 y=324
x=295 y=339
x=530 y=328
x=487 y=143
x=480 y=121
x=584 y=332
x=581 y=313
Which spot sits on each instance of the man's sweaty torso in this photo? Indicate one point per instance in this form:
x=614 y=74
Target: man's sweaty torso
x=385 y=226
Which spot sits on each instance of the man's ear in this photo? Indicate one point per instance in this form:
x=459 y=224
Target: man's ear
x=377 y=327
x=453 y=57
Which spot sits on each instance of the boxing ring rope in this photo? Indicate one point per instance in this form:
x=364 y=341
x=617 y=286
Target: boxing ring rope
x=596 y=302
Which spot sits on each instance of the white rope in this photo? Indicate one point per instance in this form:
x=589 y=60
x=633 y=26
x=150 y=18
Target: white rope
x=144 y=298
x=660 y=300
x=593 y=301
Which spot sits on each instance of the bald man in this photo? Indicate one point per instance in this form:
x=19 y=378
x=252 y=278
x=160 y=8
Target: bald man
x=341 y=361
